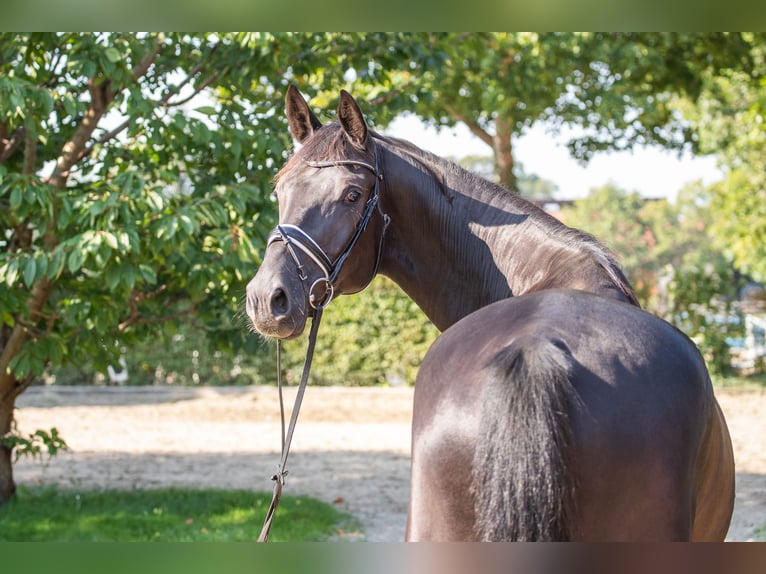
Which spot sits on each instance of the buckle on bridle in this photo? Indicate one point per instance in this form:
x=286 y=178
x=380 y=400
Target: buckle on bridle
x=329 y=293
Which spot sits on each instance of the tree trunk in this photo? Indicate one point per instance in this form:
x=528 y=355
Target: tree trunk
x=501 y=147
x=7 y=485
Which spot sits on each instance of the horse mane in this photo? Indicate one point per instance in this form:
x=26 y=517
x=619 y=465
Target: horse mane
x=443 y=170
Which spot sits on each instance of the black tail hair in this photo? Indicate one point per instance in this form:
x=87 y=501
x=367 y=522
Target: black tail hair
x=522 y=486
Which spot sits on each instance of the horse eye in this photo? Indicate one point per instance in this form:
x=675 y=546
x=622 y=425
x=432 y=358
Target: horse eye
x=353 y=196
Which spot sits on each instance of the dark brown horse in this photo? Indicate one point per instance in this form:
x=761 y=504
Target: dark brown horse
x=552 y=407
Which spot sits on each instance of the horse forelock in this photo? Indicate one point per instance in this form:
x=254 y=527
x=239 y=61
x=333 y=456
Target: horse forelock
x=328 y=143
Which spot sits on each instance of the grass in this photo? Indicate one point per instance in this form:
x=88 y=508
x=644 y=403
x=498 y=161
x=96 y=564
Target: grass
x=164 y=515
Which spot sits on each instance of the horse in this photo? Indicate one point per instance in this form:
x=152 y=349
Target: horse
x=551 y=406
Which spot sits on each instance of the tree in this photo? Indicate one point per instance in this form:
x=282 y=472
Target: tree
x=730 y=119
x=135 y=186
x=616 y=89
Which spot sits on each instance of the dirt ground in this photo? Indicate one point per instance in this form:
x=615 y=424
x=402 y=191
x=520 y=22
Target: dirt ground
x=351 y=446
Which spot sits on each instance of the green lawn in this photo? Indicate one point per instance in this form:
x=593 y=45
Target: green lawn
x=163 y=515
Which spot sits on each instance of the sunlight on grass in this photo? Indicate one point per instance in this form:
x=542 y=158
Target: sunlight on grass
x=163 y=515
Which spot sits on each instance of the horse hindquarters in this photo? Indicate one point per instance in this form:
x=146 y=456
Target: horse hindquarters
x=607 y=436
x=522 y=482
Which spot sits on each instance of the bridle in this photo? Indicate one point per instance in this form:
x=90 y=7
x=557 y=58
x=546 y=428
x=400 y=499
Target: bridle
x=295 y=239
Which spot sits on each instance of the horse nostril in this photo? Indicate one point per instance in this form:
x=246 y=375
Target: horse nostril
x=279 y=303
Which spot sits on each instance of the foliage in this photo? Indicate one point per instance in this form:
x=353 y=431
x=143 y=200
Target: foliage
x=531 y=185
x=32 y=445
x=162 y=515
x=160 y=222
x=701 y=296
x=731 y=120
x=616 y=89
x=754 y=382
x=378 y=336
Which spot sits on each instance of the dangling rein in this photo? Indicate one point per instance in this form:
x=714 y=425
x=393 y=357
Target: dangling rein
x=279 y=477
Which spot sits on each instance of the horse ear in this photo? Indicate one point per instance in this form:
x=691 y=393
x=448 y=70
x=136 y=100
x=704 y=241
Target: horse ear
x=352 y=120
x=300 y=118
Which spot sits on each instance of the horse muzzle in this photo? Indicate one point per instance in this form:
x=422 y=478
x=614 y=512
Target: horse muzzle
x=276 y=305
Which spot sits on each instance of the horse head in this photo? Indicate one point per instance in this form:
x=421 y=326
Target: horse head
x=331 y=229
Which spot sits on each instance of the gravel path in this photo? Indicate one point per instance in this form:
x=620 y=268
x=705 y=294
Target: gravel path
x=351 y=446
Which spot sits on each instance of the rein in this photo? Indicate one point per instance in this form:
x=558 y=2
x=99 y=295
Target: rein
x=279 y=477
x=295 y=239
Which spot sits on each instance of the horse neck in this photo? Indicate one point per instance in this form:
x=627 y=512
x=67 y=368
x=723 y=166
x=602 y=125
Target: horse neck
x=457 y=243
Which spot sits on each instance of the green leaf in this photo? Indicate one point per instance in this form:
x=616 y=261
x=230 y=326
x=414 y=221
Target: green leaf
x=74 y=262
x=129 y=275
x=8 y=319
x=149 y=275
x=20 y=365
x=206 y=110
x=110 y=239
x=112 y=277
x=42 y=265
x=155 y=200
x=30 y=272
x=236 y=149
x=16 y=198
x=187 y=223
x=56 y=264
x=113 y=54
x=11 y=272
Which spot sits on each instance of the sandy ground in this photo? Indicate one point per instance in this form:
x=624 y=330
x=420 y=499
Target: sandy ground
x=351 y=446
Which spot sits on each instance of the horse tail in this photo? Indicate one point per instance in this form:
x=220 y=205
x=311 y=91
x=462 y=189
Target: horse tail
x=522 y=484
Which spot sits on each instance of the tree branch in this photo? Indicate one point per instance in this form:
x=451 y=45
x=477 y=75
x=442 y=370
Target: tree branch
x=138 y=320
x=102 y=96
x=138 y=71
x=197 y=90
x=472 y=125
x=391 y=94
x=30 y=154
x=9 y=145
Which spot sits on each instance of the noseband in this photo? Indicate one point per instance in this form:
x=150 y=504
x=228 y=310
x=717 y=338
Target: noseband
x=295 y=238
